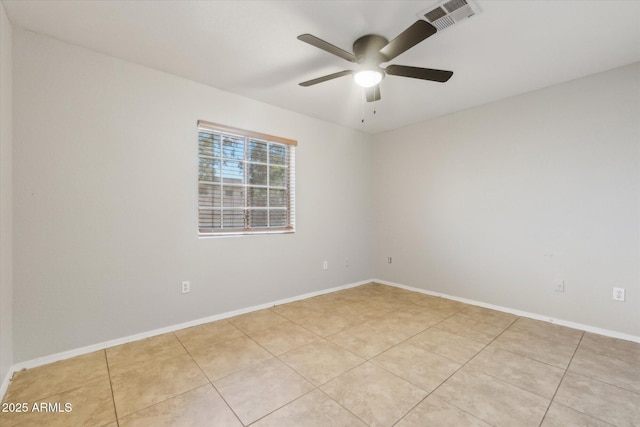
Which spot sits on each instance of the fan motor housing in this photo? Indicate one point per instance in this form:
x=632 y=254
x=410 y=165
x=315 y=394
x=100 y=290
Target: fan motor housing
x=367 y=48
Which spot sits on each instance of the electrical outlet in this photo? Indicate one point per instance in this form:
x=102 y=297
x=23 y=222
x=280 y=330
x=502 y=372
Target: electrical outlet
x=618 y=294
x=325 y=265
x=389 y=260
x=559 y=285
x=347 y=263
x=186 y=287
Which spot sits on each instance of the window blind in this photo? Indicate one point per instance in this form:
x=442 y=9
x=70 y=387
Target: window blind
x=246 y=181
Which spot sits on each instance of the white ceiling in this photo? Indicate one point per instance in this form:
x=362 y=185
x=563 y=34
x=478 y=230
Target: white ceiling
x=250 y=48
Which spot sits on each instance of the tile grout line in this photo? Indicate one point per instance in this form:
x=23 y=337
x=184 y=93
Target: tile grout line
x=280 y=407
x=602 y=380
x=274 y=356
x=340 y=404
x=175 y=395
x=207 y=377
x=453 y=373
x=526 y=357
x=365 y=360
x=370 y=359
x=460 y=368
x=113 y=397
x=562 y=379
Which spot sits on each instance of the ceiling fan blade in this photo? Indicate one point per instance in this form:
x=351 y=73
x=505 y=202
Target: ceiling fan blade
x=325 y=78
x=328 y=47
x=419 y=73
x=373 y=93
x=410 y=37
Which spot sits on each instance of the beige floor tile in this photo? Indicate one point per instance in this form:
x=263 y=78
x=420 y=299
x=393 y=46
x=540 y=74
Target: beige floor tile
x=547 y=331
x=422 y=314
x=372 y=289
x=348 y=295
x=486 y=315
x=374 y=395
x=365 y=341
x=385 y=303
x=152 y=383
x=328 y=298
x=469 y=328
x=88 y=405
x=418 y=366
x=446 y=344
x=326 y=324
x=283 y=337
x=298 y=310
x=550 y=352
x=360 y=312
x=355 y=294
x=607 y=369
x=403 y=324
x=612 y=347
x=133 y=355
x=599 y=400
x=444 y=307
x=208 y=334
x=257 y=320
x=229 y=356
x=359 y=305
x=202 y=406
x=314 y=409
x=395 y=328
x=562 y=416
x=321 y=361
x=436 y=412
x=492 y=400
x=258 y=391
x=57 y=377
x=339 y=296
x=406 y=296
x=521 y=371
x=315 y=303
x=331 y=304
x=359 y=318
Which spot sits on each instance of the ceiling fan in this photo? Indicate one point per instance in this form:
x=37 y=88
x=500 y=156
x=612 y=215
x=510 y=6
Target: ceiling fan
x=372 y=50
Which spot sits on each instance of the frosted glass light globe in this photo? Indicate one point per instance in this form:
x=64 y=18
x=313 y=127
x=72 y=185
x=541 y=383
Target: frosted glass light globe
x=367 y=78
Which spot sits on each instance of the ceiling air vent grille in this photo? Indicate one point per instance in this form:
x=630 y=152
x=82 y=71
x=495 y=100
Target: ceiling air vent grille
x=448 y=12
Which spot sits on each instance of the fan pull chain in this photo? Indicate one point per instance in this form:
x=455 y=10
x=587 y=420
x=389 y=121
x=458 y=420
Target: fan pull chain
x=376 y=92
x=373 y=105
x=376 y=98
x=362 y=104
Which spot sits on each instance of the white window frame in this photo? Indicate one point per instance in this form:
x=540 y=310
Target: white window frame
x=210 y=208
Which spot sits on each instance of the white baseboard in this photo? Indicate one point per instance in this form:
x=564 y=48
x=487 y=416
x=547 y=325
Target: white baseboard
x=5 y=382
x=567 y=323
x=45 y=360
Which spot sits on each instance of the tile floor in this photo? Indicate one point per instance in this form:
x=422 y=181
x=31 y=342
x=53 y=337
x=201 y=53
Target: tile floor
x=372 y=355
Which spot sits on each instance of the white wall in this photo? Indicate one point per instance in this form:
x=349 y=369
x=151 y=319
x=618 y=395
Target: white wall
x=105 y=195
x=6 y=205
x=494 y=203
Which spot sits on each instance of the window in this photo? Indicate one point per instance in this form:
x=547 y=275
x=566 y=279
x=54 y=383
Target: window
x=245 y=181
